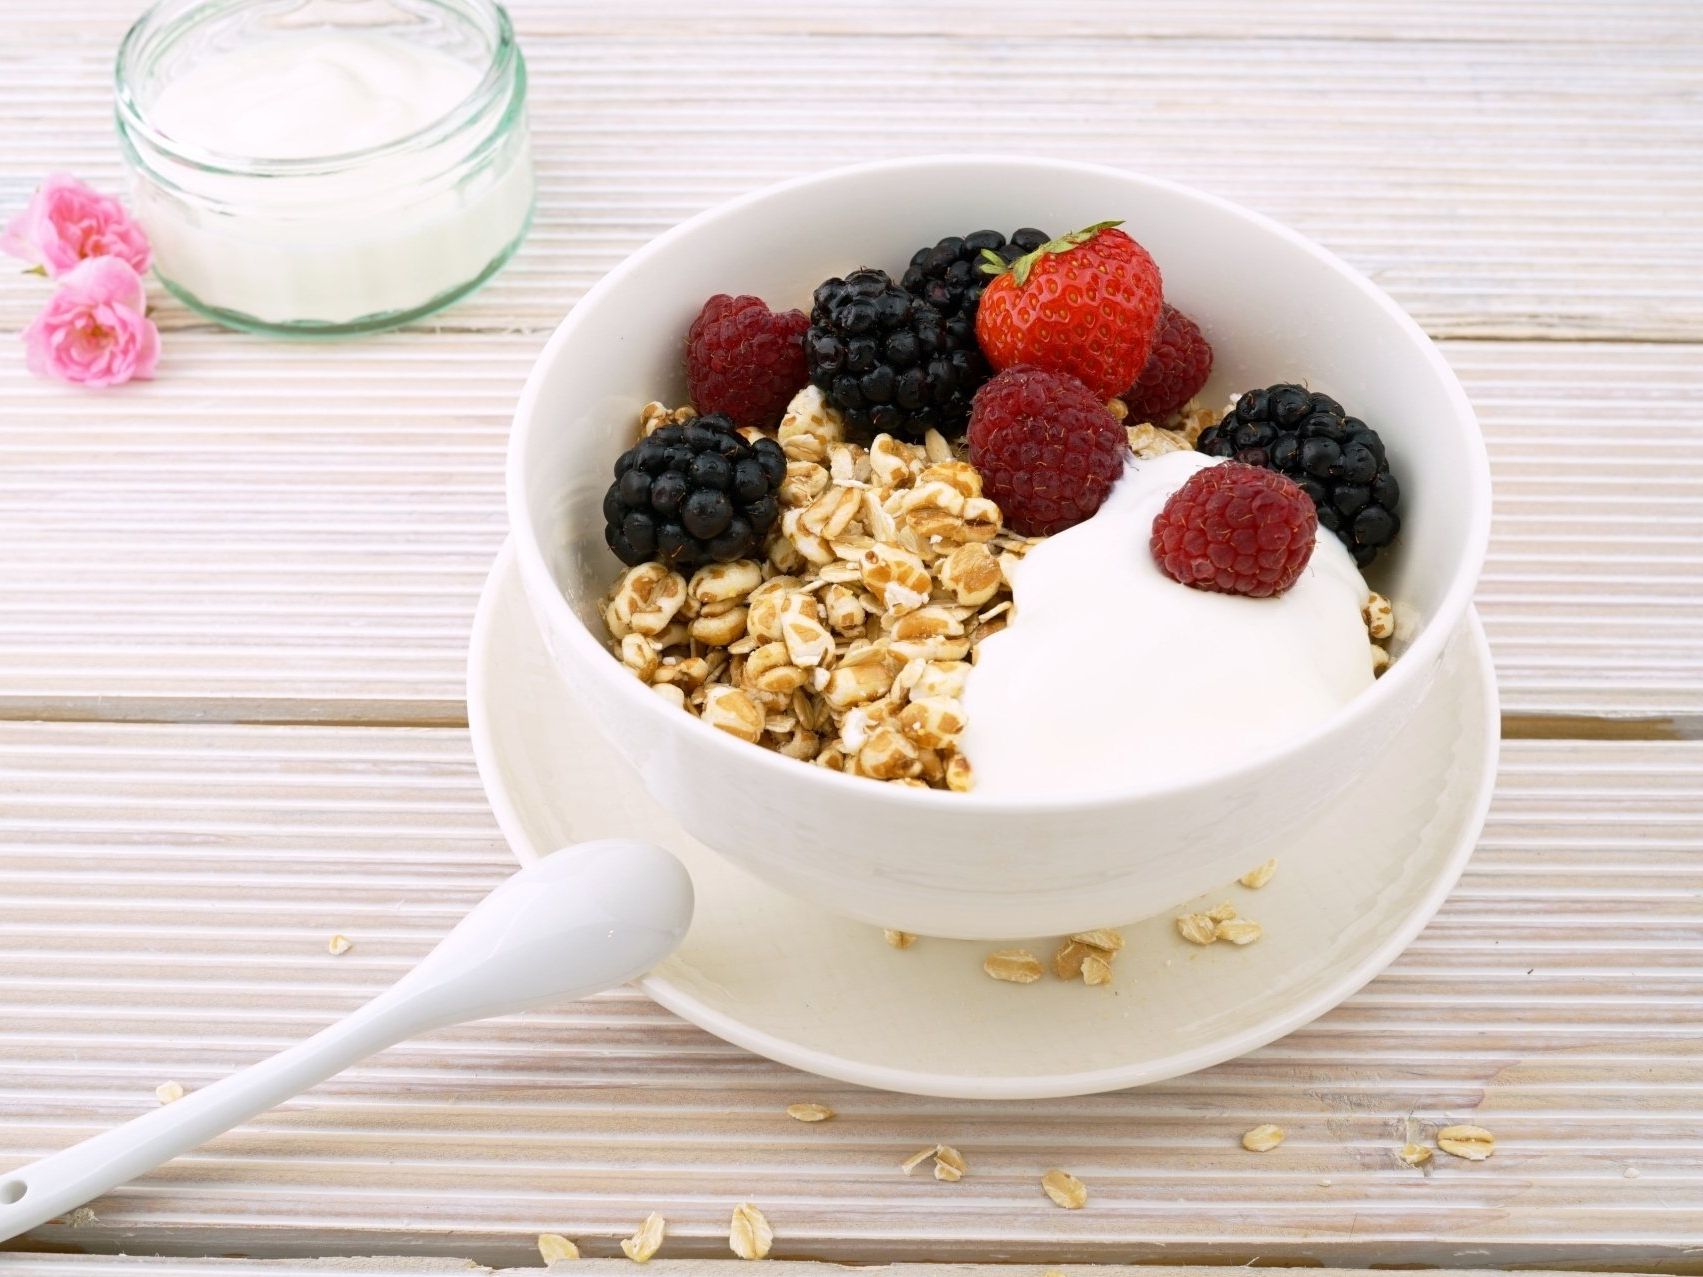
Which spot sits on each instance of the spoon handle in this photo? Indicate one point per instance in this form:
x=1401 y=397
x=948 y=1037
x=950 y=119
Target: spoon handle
x=36 y=1193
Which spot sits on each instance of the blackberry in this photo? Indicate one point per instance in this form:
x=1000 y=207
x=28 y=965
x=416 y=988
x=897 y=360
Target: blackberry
x=1338 y=460
x=950 y=275
x=889 y=361
x=693 y=494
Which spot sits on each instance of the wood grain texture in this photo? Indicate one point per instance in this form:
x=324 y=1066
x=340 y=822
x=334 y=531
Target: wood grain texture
x=297 y=533
x=422 y=1266
x=167 y=893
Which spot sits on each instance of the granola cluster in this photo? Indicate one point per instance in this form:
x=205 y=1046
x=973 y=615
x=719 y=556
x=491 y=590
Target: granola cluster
x=848 y=643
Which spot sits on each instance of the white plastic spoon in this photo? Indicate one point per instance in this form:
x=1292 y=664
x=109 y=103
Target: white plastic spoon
x=579 y=921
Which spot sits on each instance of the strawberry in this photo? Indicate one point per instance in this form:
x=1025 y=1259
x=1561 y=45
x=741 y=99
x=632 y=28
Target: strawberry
x=1086 y=304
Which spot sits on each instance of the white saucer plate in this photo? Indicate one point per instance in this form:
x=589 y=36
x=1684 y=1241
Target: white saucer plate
x=807 y=988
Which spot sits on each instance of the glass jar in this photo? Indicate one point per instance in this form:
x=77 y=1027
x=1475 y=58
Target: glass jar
x=324 y=167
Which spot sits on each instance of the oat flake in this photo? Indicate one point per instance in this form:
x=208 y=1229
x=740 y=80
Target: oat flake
x=1473 y=1143
x=1257 y=877
x=1263 y=1138
x=647 y=1241
x=749 y=1235
x=553 y=1246
x=1065 y=1189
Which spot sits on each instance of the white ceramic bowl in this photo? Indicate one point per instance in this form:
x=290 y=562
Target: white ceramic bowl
x=1276 y=307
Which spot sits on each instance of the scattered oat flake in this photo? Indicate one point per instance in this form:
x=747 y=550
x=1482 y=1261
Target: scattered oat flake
x=749 y=1234
x=339 y=945
x=1257 y=877
x=1222 y=913
x=1065 y=1189
x=553 y=1246
x=899 y=939
x=917 y=1158
x=1197 y=928
x=1474 y=1143
x=1631 y=1172
x=166 y=1092
x=949 y=1164
x=1096 y=970
x=1239 y=931
x=1067 y=962
x=647 y=1241
x=809 y=1112
x=1263 y=1138
x=1015 y=966
x=1414 y=1154
x=82 y=1217
x=1104 y=939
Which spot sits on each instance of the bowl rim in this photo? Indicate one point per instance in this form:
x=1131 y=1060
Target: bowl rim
x=1415 y=663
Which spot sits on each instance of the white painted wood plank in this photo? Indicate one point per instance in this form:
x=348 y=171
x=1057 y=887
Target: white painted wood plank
x=288 y=532
x=166 y=894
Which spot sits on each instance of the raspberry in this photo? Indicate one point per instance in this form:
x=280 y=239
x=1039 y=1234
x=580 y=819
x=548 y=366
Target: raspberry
x=1236 y=529
x=1180 y=362
x=1048 y=449
x=744 y=360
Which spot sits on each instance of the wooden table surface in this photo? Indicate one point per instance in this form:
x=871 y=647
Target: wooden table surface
x=234 y=606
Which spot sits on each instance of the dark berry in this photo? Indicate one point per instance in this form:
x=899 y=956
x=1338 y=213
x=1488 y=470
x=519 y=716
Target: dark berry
x=706 y=513
x=710 y=470
x=1287 y=405
x=888 y=359
x=667 y=491
x=1337 y=460
x=772 y=459
x=949 y=275
x=691 y=495
x=1320 y=457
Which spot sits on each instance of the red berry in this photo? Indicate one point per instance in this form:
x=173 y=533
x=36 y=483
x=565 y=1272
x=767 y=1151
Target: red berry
x=1086 y=304
x=1176 y=369
x=744 y=360
x=1047 y=447
x=1236 y=529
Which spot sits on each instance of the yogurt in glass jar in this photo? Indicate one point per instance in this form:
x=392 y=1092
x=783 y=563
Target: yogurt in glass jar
x=325 y=166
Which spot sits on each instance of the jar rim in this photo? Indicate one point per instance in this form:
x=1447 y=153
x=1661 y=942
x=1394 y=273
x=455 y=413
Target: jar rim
x=132 y=119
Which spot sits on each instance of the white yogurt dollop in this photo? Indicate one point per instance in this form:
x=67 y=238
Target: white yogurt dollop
x=293 y=97
x=1113 y=676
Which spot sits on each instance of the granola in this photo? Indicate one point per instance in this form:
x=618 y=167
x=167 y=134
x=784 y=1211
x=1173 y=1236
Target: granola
x=847 y=645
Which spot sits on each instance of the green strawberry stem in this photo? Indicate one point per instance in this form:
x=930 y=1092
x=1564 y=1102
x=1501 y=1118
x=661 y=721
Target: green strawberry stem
x=993 y=264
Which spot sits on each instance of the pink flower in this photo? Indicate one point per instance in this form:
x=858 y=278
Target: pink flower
x=66 y=222
x=94 y=330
